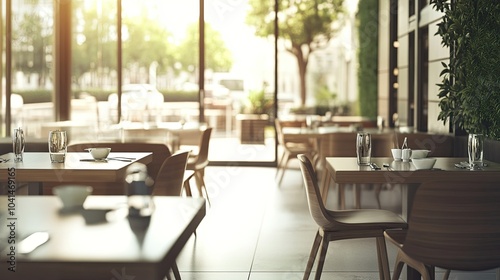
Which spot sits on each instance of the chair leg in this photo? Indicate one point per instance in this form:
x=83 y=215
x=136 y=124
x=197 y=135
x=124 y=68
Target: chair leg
x=200 y=182
x=426 y=272
x=322 y=256
x=341 y=197
x=398 y=268
x=280 y=163
x=378 y=190
x=446 y=274
x=187 y=188
x=357 y=196
x=312 y=255
x=383 y=262
x=325 y=183
x=175 y=271
x=283 y=169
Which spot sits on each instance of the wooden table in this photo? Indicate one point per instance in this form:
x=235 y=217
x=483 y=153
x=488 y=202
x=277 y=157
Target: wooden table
x=347 y=171
x=113 y=248
x=36 y=168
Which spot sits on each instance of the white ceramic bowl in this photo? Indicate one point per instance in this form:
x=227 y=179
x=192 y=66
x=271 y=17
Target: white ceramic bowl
x=423 y=163
x=419 y=153
x=99 y=153
x=72 y=196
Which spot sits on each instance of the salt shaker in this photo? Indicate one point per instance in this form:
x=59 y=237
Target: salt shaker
x=18 y=143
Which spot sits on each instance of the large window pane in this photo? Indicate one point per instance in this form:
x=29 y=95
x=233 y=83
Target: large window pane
x=32 y=56
x=239 y=80
x=94 y=67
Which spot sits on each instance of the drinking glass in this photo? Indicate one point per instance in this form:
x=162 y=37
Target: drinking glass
x=363 y=148
x=139 y=189
x=18 y=144
x=475 y=150
x=58 y=143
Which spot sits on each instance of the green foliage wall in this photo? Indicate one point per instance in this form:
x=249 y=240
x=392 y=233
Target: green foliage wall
x=470 y=91
x=368 y=57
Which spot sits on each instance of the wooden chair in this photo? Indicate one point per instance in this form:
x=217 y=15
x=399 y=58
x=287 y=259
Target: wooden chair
x=160 y=153
x=170 y=178
x=346 y=224
x=200 y=161
x=454 y=226
x=291 y=147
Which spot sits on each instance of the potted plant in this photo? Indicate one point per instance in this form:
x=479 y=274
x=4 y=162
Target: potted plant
x=254 y=117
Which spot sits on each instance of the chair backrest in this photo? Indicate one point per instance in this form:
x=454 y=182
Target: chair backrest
x=170 y=178
x=280 y=124
x=316 y=206
x=202 y=156
x=160 y=151
x=455 y=225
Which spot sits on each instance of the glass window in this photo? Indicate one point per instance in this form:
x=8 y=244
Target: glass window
x=94 y=67
x=31 y=65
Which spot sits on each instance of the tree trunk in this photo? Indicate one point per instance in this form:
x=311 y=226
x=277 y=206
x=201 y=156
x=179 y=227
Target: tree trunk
x=302 y=75
x=302 y=63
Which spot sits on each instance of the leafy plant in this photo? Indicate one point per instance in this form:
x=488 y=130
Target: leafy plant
x=367 y=22
x=324 y=96
x=258 y=102
x=470 y=90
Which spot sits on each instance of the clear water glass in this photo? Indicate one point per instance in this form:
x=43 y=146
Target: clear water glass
x=58 y=144
x=364 y=148
x=475 y=151
x=18 y=144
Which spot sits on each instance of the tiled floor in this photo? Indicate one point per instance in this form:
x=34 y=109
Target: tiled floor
x=256 y=230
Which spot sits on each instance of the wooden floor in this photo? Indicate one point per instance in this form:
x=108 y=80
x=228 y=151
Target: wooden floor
x=256 y=230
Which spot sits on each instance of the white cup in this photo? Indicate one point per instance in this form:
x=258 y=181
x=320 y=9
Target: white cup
x=396 y=154
x=406 y=155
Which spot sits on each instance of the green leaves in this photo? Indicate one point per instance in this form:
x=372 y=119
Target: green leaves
x=470 y=91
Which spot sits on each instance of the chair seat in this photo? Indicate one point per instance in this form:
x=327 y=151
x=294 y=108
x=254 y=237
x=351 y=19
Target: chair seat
x=364 y=219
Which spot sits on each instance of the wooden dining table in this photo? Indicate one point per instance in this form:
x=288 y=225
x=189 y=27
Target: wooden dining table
x=37 y=169
x=346 y=171
x=97 y=242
